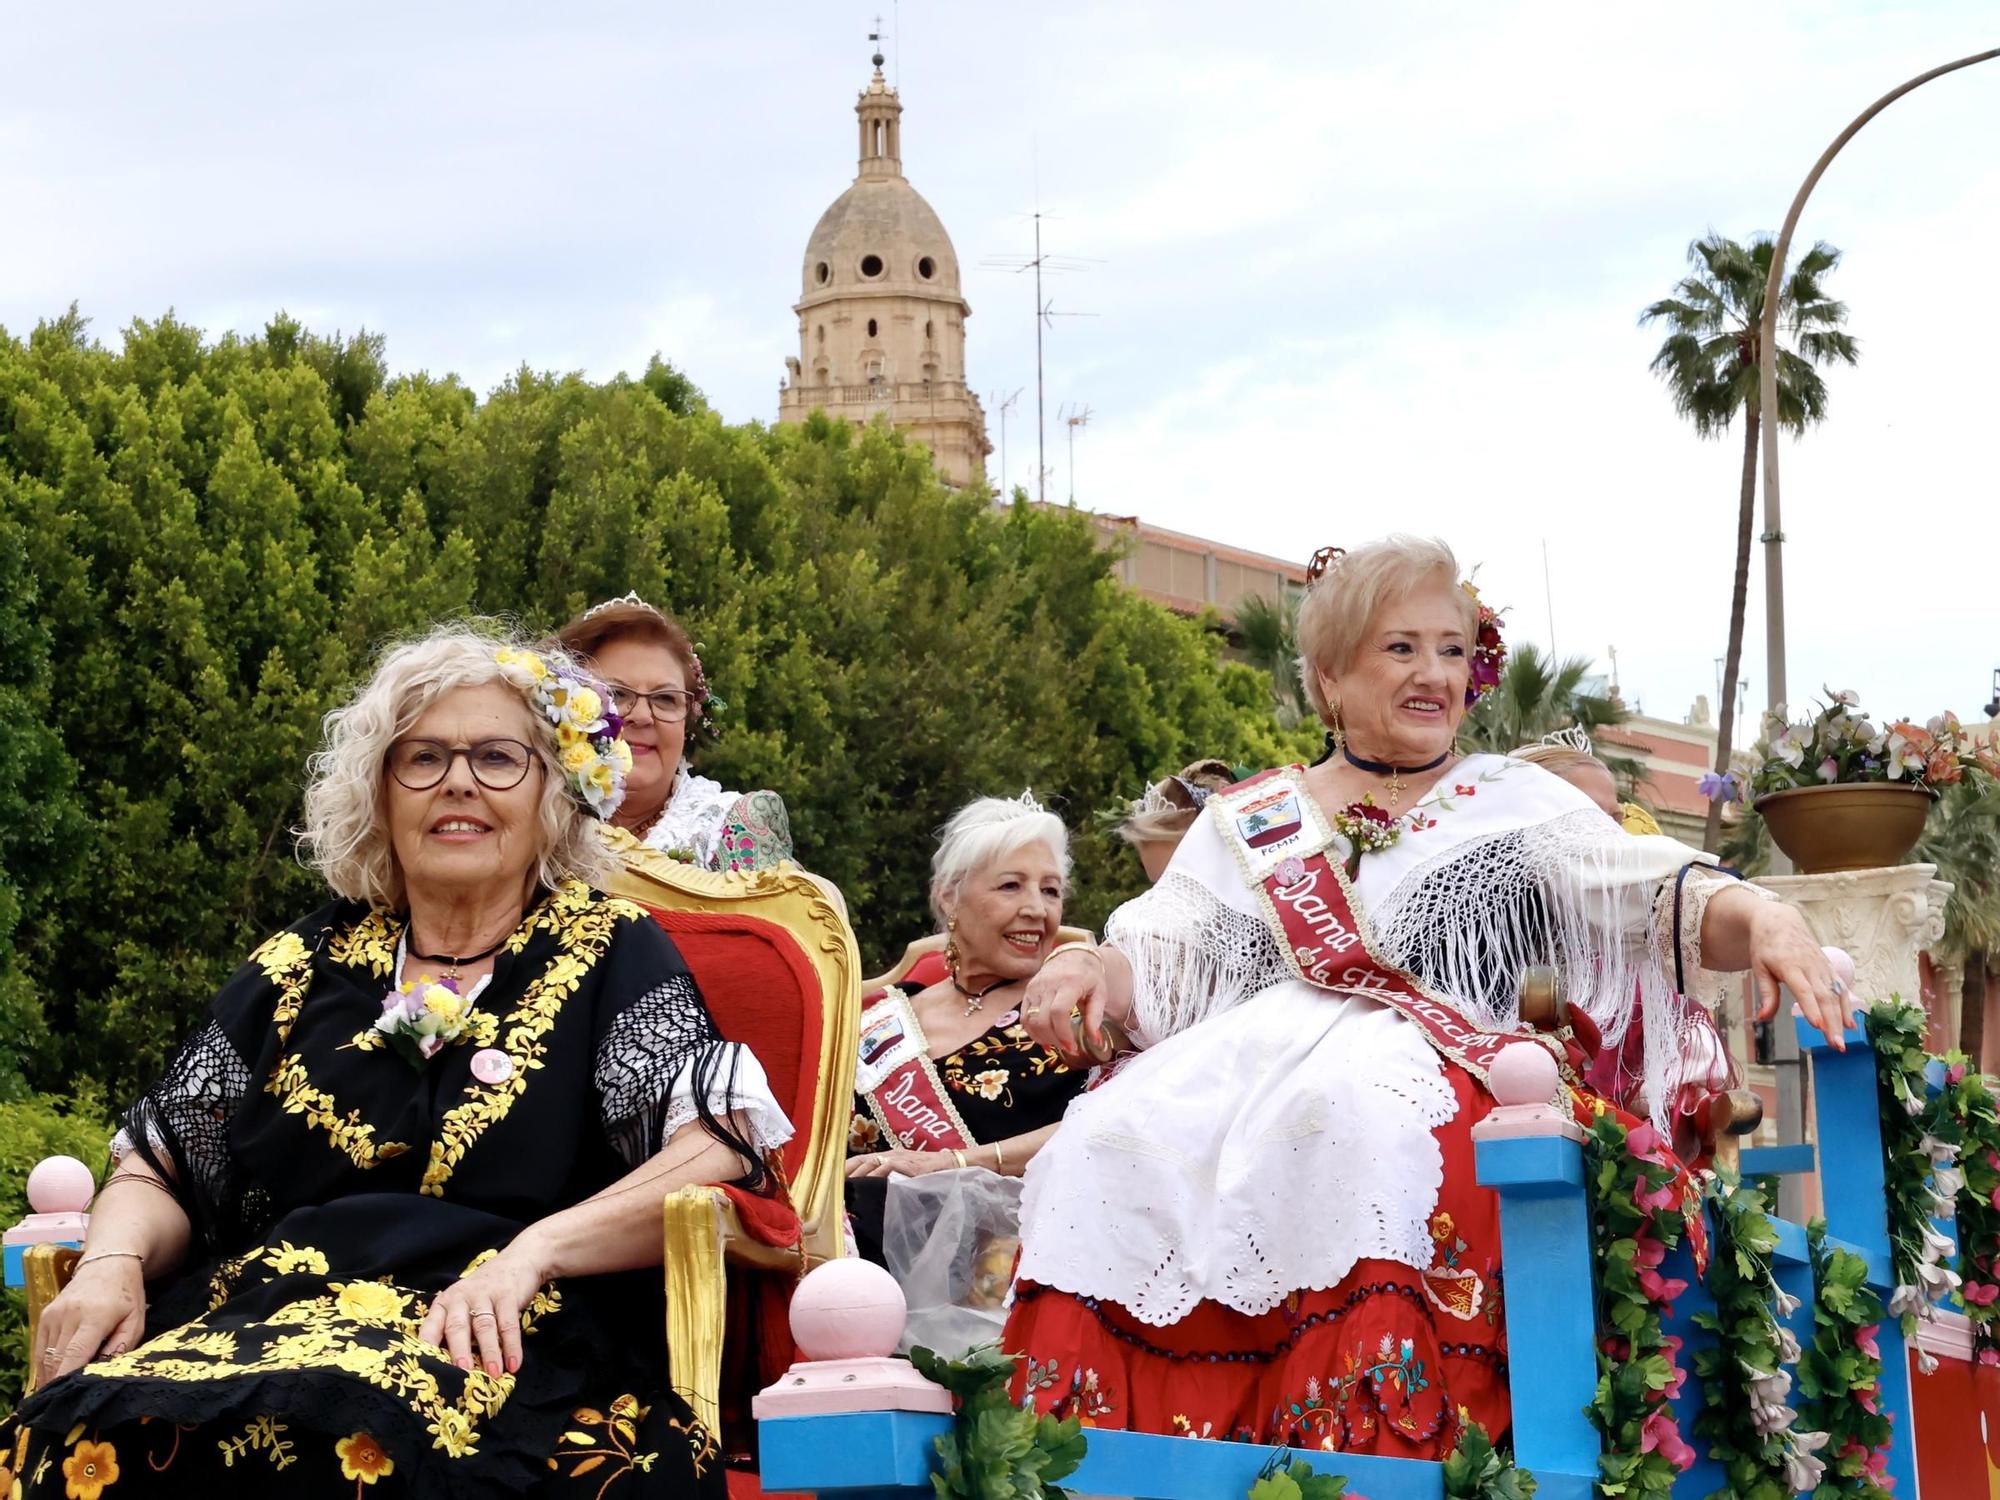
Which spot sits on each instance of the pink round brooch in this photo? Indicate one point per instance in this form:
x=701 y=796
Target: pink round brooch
x=1291 y=871
x=491 y=1065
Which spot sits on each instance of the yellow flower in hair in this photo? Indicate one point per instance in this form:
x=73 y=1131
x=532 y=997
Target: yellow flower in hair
x=586 y=705
x=602 y=777
x=577 y=756
x=621 y=755
x=568 y=734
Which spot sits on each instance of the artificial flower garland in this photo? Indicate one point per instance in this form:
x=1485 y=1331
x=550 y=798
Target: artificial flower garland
x=422 y=1016
x=1639 y=1210
x=1920 y=1141
x=588 y=747
x=1970 y=1102
x=1750 y=1427
x=1840 y=1374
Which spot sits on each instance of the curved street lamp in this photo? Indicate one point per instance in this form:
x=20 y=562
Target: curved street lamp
x=1767 y=383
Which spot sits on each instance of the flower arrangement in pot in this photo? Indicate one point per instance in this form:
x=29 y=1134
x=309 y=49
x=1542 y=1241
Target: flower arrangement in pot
x=1839 y=792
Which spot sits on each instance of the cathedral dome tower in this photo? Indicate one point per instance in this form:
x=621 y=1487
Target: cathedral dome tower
x=881 y=314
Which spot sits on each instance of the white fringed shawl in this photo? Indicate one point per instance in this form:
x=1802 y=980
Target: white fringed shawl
x=1502 y=866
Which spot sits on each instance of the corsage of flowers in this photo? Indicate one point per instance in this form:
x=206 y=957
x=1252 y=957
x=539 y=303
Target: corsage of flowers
x=422 y=1016
x=1369 y=828
x=592 y=755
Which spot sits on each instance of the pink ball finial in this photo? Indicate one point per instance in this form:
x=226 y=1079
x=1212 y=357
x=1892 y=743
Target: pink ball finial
x=1843 y=965
x=1523 y=1073
x=848 y=1309
x=60 y=1185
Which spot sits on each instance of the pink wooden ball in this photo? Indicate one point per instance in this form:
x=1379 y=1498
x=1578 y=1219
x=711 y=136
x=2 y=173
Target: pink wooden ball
x=848 y=1309
x=60 y=1185
x=1843 y=965
x=1523 y=1073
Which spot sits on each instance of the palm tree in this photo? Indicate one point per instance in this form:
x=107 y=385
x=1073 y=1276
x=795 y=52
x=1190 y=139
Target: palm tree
x=1710 y=364
x=1538 y=695
x=1264 y=635
x=1962 y=838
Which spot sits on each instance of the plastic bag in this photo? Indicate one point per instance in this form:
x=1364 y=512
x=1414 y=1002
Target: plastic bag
x=950 y=1240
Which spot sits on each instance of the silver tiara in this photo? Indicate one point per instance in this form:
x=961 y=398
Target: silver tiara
x=1573 y=738
x=621 y=601
x=1156 y=797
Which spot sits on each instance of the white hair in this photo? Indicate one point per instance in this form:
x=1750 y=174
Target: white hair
x=985 y=831
x=1334 y=615
x=346 y=838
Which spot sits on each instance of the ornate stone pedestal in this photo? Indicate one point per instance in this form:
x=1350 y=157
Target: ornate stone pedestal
x=1883 y=918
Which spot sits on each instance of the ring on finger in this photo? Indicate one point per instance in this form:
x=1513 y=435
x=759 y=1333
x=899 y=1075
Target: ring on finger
x=1839 y=989
x=487 y=1313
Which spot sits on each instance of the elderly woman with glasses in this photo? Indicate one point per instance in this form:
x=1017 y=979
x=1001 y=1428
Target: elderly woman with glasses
x=391 y=1216
x=655 y=679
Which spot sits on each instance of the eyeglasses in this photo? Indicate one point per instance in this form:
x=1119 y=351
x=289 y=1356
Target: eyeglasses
x=497 y=765
x=669 y=705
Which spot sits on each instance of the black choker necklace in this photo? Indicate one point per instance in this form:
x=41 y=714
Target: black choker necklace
x=1383 y=768
x=975 y=1001
x=446 y=958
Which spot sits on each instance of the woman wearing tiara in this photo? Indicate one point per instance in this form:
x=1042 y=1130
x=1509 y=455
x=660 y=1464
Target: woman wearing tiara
x=1266 y=1224
x=650 y=665
x=1155 y=822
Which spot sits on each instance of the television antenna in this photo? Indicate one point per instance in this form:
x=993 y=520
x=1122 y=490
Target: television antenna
x=1003 y=407
x=1045 y=314
x=1073 y=417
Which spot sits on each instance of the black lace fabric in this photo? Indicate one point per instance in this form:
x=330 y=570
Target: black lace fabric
x=666 y=1038
x=180 y=1126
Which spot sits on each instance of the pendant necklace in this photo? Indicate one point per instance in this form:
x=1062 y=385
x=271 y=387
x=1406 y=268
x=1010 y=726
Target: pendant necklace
x=1383 y=768
x=452 y=964
x=974 y=1002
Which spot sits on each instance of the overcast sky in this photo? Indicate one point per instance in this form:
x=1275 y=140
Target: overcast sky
x=1358 y=268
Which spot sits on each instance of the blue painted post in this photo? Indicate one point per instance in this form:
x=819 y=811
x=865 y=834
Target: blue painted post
x=1705 y=1476
x=1851 y=1186
x=1545 y=1246
x=863 y=1455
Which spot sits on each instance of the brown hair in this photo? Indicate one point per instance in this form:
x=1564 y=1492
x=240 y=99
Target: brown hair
x=632 y=619
x=1171 y=804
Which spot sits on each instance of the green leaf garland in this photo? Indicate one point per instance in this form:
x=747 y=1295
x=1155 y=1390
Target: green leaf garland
x=1840 y=1373
x=997 y=1450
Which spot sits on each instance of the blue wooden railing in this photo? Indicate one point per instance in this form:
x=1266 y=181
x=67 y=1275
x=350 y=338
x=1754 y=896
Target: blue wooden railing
x=1546 y=1244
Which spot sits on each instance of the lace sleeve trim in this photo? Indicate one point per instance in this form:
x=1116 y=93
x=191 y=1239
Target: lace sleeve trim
x=1192 y=956
x=181 y=1124
x=661 y=1064
x=1678 y=914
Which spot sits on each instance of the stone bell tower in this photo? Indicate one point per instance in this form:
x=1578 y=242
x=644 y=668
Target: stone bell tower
x=881 y=315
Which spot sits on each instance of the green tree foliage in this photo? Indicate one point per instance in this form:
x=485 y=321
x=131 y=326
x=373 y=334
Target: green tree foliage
x=1710 y=361
x=1267 y=639
x=204 y=543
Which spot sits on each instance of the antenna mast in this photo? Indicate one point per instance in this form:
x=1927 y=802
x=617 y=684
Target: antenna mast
x=1045 y=313
x=1003 y=407
x=1073 y=417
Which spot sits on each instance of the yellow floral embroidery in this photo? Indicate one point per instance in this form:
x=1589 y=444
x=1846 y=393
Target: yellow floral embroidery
x=285 y=1260
x=581 y=923
x=362 y=1459
x=263 y=1435
x=280 y=953
x=369 y=1301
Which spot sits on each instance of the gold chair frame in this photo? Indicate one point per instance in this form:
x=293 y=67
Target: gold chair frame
x=703 y=1234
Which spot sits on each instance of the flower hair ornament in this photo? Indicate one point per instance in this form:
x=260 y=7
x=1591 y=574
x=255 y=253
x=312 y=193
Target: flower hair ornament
x=593 y=757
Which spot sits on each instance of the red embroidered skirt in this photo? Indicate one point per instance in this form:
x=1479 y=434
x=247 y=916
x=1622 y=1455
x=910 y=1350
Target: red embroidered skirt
x=1391 y=1361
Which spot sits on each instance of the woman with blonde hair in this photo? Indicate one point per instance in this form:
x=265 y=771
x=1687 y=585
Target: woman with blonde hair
x=391 y=1216
x=1265 y=1225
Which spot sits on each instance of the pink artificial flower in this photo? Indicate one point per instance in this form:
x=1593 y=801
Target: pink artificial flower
x=1616 y=1348
x=1670 y=1346
x=1955 y=1074
x=1864 y=1340
x=1864 y=1397
x=1661 y=1432
x=1661 y=1290
x=1994 y=1197
x=1980 y=1293
x=1989 y=1356
x=1643 y=1141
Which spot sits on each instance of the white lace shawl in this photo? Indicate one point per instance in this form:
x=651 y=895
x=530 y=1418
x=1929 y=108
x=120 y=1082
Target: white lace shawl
x=693 y=817
x=1503 y=866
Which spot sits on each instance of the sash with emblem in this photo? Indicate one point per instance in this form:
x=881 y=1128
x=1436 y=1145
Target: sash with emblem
x=1283 y=843
x=896 y=1076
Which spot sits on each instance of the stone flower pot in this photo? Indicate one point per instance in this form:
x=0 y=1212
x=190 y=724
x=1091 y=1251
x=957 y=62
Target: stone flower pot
x=1863 y=826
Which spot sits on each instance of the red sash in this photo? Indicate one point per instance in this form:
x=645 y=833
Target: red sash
x=896 y=1076
x=1308 y=901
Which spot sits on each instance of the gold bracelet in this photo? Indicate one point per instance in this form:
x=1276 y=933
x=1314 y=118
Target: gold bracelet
x=959 y=1157
x=999 y=1159
x=1079 y=946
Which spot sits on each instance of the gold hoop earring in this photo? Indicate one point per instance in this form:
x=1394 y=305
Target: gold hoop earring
x=951 y=953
